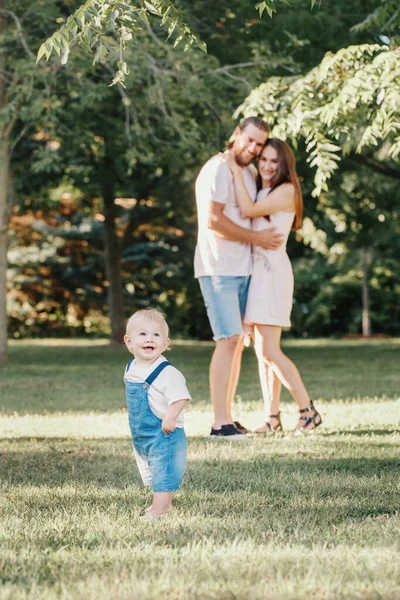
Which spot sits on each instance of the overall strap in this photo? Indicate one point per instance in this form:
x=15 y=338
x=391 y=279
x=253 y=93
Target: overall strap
x=128 y=365
x=156 y=372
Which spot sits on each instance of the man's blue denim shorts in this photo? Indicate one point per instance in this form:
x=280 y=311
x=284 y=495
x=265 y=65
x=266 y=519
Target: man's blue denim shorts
x=225 y=298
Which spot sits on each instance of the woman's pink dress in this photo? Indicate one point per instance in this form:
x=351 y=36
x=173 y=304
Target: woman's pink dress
x=270 y=296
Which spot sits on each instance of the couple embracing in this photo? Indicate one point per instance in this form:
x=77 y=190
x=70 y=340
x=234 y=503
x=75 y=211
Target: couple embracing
x=244 y=272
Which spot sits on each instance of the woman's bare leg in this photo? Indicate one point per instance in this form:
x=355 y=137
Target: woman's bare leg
x=270 y=387
x=283 y=367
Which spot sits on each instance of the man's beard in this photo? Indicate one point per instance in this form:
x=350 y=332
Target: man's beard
x=244 y=162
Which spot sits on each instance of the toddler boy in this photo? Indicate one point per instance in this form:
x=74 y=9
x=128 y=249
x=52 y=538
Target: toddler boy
x=156 y=394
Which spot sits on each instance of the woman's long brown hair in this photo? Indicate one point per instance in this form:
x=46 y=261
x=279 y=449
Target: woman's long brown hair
x=286 y=173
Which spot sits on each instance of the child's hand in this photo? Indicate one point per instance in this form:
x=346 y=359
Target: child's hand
x=168 y=425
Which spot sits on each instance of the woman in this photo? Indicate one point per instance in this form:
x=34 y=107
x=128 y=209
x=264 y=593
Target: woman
x=279 y=204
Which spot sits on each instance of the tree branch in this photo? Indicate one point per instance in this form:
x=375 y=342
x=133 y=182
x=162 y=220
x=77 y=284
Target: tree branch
x=19 y=29
x=378 y=167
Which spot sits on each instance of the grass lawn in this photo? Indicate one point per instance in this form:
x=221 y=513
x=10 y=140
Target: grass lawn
x=275 y=517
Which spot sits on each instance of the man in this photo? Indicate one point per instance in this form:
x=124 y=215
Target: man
x=223 y=265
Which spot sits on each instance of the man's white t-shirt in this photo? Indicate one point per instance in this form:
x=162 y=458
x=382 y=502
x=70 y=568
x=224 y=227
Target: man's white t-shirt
x=167 y=388
x=215 y=255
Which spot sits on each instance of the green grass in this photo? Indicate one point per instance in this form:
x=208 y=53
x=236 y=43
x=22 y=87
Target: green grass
x=280 y=517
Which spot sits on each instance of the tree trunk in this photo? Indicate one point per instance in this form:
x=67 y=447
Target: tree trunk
x=4 y=219
x=112 y=257
x=366 y=320
x=4 y=206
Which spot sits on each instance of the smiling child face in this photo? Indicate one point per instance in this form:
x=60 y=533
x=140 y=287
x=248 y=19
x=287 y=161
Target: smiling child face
x=146 y=339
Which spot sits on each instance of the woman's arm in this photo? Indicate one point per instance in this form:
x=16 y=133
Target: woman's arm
x=227 y=229
x=280 y=199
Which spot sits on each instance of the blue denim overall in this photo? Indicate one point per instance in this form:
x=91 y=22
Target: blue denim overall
x=161 y=457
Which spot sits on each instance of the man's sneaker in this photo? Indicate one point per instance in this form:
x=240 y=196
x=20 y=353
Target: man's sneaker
x=241 y=428
x=227 y=432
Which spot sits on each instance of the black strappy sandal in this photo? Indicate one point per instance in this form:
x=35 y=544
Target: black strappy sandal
x=270 y=428
x=315 y=419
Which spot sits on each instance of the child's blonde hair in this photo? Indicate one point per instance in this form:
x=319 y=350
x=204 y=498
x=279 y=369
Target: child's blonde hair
x=148 y=314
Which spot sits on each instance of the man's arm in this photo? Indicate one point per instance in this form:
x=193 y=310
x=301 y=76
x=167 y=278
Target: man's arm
x=227 y=229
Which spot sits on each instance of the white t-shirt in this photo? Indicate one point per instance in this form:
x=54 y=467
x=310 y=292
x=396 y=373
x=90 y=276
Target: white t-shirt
x=167 y=388
x=215 y=255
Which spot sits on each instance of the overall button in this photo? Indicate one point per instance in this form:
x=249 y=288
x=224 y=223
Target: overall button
x=144 y=386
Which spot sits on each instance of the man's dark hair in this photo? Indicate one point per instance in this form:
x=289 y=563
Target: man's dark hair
x=257 y=121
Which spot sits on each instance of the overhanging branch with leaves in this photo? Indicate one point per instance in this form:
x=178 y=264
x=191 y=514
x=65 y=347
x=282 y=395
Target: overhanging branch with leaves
x=104 y=27
x=348 y=103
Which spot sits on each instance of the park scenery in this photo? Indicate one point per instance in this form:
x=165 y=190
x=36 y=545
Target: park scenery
x=108 y=111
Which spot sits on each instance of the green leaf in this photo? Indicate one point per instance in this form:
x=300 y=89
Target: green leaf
x=178 y=40
x=261 y=6
x=42 y=52
x=330 y=147
x=165 y=17
x=57 y=41
x=172 y=27
x=201 y=45
x=151 y=8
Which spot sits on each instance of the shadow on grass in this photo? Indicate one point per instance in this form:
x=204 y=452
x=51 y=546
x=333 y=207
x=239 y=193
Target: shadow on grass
x=58 y=461
x=302 y=495
x=361 y=432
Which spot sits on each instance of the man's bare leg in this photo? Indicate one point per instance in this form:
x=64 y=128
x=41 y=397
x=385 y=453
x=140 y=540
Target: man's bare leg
x=223 y=374
x=234 y=377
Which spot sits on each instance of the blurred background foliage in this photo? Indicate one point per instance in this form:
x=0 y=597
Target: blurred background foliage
x=102 y=178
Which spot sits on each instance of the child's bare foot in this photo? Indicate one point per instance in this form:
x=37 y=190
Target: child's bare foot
x=149 y=515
